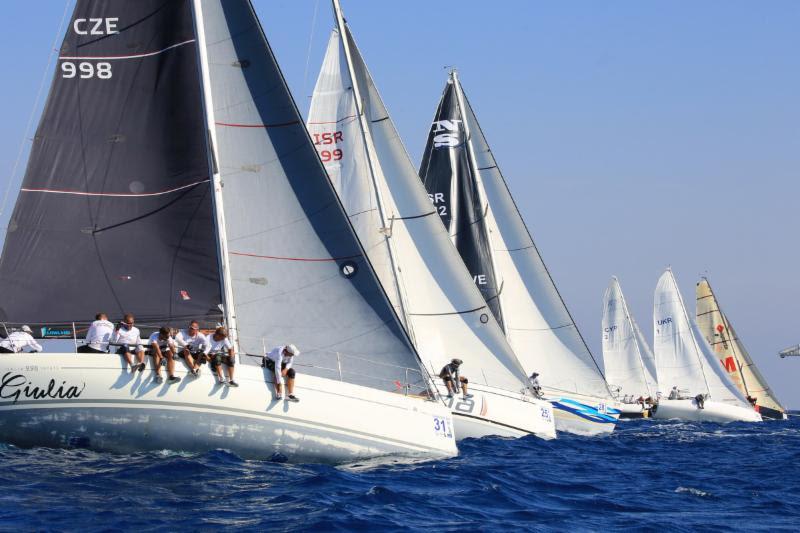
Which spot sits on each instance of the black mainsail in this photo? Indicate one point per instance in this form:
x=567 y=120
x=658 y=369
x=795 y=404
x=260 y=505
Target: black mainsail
x=452 y=186
x=115 y=211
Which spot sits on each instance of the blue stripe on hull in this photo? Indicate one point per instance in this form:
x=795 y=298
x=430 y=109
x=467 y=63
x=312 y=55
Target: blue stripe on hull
x=585 y=411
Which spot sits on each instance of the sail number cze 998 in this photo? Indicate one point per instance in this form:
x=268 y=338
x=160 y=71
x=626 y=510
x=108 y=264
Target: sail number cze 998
x=88 y=69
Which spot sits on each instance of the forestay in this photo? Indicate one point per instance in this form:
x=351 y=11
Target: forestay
x=115 y=210
x=443 y=311
x=683 y=358
x=298 y=271
x=623 y=355
x=537 y=323
x=719 y=333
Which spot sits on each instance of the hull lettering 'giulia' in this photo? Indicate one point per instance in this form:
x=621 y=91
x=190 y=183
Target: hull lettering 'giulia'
x=16 y=386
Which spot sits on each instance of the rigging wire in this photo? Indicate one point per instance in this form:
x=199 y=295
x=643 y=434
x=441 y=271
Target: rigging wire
x=310 y=42
x=53 y=51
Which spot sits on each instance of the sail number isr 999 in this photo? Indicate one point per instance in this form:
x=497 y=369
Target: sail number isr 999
x=86 y=70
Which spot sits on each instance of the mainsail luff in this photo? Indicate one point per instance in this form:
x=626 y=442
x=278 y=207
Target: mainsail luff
x=298 y=270
x=448 y=315
x=538 y=324
x=710 y=319
x=98 y=227
x=229 y=309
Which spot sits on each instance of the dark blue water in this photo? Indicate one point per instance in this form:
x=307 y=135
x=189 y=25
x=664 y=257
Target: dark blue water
x=647 y=475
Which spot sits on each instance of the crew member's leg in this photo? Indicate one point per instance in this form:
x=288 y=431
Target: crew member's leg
x=140 y=358
x=464 y=382
x=230 y=362
x=448 y=381
x=216 y=364
x=171 y=366
x=289 y=374
x=155 y=351
x=124 y=352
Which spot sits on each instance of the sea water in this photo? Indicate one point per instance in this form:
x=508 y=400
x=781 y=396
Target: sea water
x=646 y=475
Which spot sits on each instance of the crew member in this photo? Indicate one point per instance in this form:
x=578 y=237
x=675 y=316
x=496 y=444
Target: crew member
x=126 y=337
x=190 y=343
x=452 y=378
x=279 y=361
x=535 y=386
x=700 y=400
x=98 y=336
x=18 y=341
x=219 y=350
x=674 y=394
x=162 y=346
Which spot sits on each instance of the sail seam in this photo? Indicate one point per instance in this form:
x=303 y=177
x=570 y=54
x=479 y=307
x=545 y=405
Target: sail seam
x=301 y=259
x=450 y=313
x=264 y=126
x=135 y=56
x=335 y=121
x=115 y=194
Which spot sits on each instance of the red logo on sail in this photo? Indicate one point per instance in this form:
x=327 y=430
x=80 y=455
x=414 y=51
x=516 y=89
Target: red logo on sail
x=185 y=296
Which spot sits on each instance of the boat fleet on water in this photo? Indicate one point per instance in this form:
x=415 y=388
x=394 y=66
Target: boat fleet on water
x=172 y=178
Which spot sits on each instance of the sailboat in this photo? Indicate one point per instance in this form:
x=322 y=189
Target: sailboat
x=719 y=333
x=628 y=362
x=471 y=197
x=686 y=367
x=172 y=177
x=423 y=275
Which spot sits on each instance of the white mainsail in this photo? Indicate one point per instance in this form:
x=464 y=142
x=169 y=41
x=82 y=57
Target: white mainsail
x=424 y=275
x=683 y=357
x=538 y=325
x=718 y=331
x=627 y=361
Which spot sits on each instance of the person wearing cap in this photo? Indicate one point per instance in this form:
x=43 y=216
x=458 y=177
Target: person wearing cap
x=190 y=343
x=162 y=346
x=98 y=336
x=219 y=351
x=452 y=378
x=127 y=337
x=18 y=341
x=279 y=361
x=535 y=386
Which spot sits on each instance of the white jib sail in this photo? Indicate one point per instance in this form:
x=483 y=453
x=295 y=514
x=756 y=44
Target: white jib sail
x=683 y=357
x=424 y=275
x=538 y=325
x=719 y=333
x=298 y=272
x=623 y=357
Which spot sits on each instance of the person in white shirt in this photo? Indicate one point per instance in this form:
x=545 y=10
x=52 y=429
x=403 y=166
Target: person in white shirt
x=219 y=351
x=162 y=346
x=279 y=361
x=126 y=337
x=190 y=343
x=18 y=341
x=98 y=336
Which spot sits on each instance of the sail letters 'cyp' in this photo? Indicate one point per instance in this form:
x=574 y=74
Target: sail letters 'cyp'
x=452 y=187
x=115 y=211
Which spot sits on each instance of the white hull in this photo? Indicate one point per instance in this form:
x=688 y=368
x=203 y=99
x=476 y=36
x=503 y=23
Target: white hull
x=583 y=415
x=496 y=412
x=712 y=412
x=110 y=409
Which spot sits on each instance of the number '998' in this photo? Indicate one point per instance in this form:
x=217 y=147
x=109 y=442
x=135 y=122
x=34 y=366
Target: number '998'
x=86 y=70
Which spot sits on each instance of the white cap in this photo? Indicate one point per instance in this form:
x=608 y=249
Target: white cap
x=292 y=349
x=27 y=329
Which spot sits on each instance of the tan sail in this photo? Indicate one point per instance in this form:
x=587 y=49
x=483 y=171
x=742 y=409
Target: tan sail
x=719 y=333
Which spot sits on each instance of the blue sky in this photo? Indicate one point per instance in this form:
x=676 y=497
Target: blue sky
x=634 y=135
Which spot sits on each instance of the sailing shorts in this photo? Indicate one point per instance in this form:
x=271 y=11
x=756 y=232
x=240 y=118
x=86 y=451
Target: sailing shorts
x=269 y=364
x=447 y=378
x=219 y=359
x=129 y=348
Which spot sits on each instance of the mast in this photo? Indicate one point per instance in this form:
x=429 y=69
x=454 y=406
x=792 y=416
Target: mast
x=362 y=120
x=481 y=193
x=213 y=158
x=635 y=339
